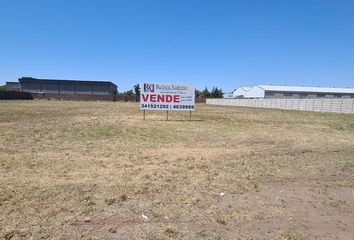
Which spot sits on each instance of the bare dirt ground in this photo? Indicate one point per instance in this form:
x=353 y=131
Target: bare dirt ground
x=95 y=170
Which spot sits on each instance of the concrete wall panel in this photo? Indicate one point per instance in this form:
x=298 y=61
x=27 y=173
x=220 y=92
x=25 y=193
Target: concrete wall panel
x=316 y=105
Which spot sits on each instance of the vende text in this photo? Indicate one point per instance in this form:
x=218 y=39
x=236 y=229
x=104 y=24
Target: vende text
x=160 y=98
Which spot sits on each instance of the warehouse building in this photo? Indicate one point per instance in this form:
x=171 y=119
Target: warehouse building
x=237 y=93
x=74 y=87
x=12 y=86
x=240 y=92
x=271 y=91
x=227 y=95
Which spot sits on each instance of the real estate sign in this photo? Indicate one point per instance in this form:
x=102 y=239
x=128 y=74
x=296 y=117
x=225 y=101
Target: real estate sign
x=163 y=96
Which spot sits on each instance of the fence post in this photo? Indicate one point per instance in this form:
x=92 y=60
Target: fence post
x=321 y=104
x=341 y=105
x=286 y=103
x=313 y=105
x=330 y=106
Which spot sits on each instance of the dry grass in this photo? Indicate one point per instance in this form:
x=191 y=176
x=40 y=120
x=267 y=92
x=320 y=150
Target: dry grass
x=89 y=170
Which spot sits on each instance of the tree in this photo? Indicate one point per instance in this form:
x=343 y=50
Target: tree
x=206 y=92
x=137 y=89
x=216 y=93
x=240 y=96
x=198 y=93
x=3 y=88
x=129 y=93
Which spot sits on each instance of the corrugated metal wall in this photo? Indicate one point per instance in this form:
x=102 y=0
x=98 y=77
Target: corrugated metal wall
x=67 y=87
x=316 y=105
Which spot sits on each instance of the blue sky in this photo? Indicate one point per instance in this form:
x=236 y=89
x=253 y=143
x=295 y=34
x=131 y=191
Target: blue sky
x=207 y=43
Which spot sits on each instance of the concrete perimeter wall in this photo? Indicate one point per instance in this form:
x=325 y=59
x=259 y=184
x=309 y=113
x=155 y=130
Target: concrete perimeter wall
x=315 y=105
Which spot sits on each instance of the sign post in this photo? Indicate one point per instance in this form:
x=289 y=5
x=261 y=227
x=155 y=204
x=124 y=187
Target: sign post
x=167 y=97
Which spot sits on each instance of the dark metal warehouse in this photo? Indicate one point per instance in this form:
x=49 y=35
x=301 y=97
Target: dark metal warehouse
x=75 y=87
x=13 y=86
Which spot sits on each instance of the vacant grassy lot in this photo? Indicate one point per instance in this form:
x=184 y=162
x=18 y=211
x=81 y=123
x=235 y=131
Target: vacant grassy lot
x=95 y=170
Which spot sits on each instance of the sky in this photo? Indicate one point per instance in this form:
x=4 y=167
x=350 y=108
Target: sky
x=220 y=43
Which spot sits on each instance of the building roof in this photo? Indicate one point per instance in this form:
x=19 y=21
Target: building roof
x=67 y=81
x=246 y=88
x=305 y=89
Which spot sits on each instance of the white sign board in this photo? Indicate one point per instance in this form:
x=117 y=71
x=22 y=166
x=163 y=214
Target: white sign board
x=163 y=96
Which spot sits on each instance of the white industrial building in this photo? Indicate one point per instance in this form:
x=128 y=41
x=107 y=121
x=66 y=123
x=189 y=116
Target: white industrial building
x=271 y=91
x=239 y=92
x=227 y=95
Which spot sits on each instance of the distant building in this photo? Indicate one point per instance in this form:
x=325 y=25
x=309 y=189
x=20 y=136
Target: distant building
x=240 y=92
x=270 y=91
x=75 y=87
x=227 y=95
x=12 y=86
